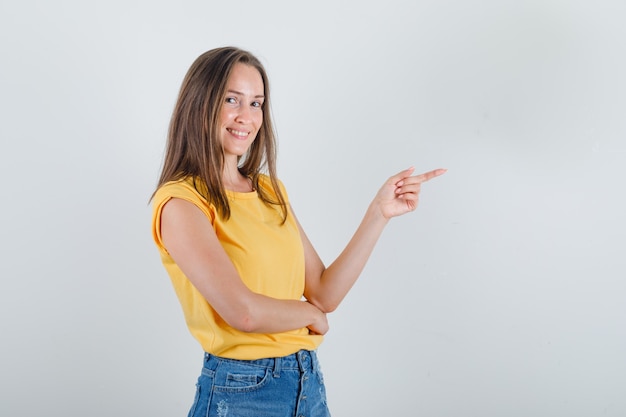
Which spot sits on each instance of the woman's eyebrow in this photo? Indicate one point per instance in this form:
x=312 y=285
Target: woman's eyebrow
x=242 y=94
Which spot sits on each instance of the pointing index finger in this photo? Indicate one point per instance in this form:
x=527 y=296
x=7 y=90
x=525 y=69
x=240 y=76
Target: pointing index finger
x=427 y=176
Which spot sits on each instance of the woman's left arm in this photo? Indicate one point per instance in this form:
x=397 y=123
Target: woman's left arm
x=326 y=287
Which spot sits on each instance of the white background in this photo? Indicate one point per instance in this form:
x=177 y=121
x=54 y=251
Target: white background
x=503 y=295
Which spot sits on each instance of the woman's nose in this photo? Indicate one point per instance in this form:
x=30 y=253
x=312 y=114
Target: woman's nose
x=243 y=114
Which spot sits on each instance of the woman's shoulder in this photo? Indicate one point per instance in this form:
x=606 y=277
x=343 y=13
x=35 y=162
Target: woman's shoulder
x=265 y=179
x=186 y=187
x=266 y=182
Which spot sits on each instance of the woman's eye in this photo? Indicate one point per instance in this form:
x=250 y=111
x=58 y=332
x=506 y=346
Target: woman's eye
x=257 y=104
x=231 y=100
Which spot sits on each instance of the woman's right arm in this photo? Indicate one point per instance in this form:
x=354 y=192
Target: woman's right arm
x=190 y=239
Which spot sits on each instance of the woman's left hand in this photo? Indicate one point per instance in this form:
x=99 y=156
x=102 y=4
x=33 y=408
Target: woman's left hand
x=400 y=193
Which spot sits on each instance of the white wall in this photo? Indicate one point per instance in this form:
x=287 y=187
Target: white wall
x=503 y=295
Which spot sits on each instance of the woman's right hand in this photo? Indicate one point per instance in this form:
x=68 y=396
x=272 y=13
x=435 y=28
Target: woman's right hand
x=320 y=325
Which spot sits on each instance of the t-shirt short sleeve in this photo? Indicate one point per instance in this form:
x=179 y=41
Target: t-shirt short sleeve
x=176 y=189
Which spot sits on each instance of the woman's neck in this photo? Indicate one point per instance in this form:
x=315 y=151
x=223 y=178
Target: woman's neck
x=233 y=180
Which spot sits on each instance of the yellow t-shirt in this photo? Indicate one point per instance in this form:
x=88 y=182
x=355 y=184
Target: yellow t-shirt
x=268 y=257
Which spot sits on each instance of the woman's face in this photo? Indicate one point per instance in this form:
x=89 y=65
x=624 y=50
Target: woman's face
x=242 y=110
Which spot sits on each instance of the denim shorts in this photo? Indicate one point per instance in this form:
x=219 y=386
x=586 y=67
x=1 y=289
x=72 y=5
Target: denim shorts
x=288 y=386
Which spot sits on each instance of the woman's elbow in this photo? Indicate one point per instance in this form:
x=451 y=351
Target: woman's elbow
x=325 y=306
x=242 y=318
x=244 y=322
x=329 y=308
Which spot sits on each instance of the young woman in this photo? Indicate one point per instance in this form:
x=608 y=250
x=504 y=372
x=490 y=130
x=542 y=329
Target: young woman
x=254 y=292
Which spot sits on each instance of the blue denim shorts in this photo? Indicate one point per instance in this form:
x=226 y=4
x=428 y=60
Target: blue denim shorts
x=288 y=386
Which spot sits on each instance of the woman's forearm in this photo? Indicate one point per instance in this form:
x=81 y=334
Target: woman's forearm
x=326 y=287
x=262 y=314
